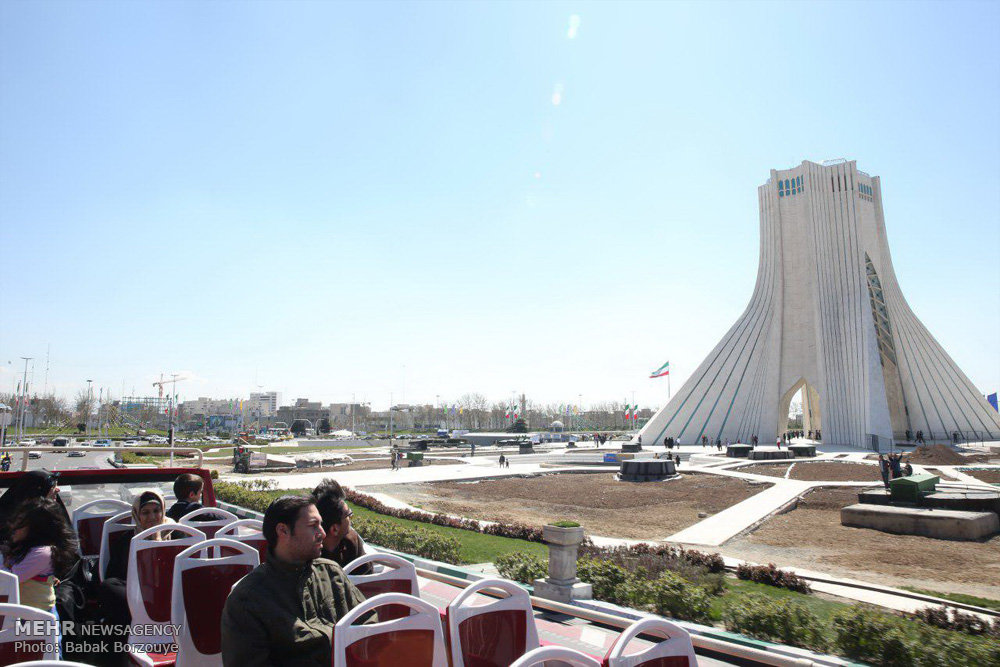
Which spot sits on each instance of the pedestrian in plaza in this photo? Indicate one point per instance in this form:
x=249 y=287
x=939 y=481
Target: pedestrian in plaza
x=777 y=442
x=677 y=460
x=640 y=441
x=894 y=465
x=907 y=469
x=501 y=460
x=883 y=468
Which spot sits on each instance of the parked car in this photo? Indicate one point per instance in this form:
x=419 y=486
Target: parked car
x=34 y=455
x=77 y=453
x=102 y=443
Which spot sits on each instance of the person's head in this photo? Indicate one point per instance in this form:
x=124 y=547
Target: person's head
x=41 y=522
x=293 y=529
x=187 y=487
x=336 y=515
x=147 y=510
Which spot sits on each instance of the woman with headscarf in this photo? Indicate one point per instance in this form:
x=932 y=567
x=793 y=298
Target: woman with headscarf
x=147 y=511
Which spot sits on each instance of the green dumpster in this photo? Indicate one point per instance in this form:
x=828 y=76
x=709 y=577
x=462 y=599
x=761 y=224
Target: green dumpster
x=911 y=489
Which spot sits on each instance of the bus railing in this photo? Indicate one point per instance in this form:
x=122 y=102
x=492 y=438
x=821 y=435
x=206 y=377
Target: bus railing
x=172 y=451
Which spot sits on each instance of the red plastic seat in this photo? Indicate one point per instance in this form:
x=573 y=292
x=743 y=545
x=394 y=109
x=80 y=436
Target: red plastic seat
x=415 y=640
x=150 y=581
x=23 y=646
x=247 y=531
x=676 y=649
x=493 y=634
x=397 y=576
x=204 y=575
x=115 y=528
x=203 y=520
x=558 y=654
x=88 y=521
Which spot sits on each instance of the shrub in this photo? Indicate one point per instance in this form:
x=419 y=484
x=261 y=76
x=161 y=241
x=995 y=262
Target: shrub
x=953 y=619
x=607 y=579
x=876 y=638
x=780 y=620
x=772 y=576
x=214 y=474
x=670 y=595
x=520 y=566
x=415 y=541
x=648 y=562
x=565 y=524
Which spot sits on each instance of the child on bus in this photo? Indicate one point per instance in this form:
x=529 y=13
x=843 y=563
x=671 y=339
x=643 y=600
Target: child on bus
x=187 y=490
x=42 y=548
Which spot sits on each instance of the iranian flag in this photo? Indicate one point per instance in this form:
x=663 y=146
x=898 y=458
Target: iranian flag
x=628 y=411
x=661 y=371
x=506 y=415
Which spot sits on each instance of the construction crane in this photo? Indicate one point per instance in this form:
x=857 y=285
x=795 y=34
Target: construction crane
x=174 y=379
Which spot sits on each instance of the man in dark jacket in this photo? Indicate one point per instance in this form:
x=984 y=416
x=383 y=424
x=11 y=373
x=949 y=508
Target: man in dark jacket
x=342 y=543
x=284 y=612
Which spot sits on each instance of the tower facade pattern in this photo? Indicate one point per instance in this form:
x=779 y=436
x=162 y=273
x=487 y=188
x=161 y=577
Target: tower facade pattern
x=827 y=316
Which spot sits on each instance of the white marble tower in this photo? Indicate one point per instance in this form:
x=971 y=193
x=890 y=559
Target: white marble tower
x=826 y=315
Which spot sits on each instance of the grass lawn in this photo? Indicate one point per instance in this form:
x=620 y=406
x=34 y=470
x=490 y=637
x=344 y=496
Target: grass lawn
x=475 y=547
x=825 y=609
x=989 y=603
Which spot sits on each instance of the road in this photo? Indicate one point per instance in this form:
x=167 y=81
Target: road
x=60 y=460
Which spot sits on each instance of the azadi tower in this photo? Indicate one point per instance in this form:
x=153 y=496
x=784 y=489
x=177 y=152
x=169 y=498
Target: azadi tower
x=826 y=316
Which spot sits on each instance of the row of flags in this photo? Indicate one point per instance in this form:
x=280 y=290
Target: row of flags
x=631 y=411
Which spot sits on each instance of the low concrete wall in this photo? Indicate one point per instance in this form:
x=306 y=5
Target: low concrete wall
x=770 y=454
x=941 y=524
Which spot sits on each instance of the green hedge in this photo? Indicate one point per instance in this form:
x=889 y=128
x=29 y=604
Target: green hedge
x=258 y=494
x=881 y=639
x=522 y=567
x=777 y=619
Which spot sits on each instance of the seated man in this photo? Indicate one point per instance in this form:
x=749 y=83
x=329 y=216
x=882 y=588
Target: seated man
x=342 y=543
x=283 y=613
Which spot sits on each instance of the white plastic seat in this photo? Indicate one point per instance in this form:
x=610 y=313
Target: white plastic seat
x=495 y=633
x=676 y=646
x=201 y=519
x=26 y=646
x=50 y=663
x=10 y=588
x=397 y=576
x=247 y=531
x=415 y=640
x=88 y=522
x=112 y=530
x=204 y=575
x=556 y=653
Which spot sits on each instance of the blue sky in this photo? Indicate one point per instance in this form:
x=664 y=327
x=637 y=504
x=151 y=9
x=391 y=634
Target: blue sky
x=330 y=199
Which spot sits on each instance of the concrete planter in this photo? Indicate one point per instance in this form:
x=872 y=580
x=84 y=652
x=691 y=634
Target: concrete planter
x=562 y=584
x=562 y=536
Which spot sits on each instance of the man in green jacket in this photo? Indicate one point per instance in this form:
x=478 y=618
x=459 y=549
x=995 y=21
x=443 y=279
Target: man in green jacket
x=283 y=613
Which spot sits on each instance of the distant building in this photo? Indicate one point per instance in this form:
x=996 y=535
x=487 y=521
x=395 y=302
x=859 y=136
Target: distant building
x=313 y=411
x=265 y=404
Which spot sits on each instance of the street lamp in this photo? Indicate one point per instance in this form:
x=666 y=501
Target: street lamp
x=90 y=397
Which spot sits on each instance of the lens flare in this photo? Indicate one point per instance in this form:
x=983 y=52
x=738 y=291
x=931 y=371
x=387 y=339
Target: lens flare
x=574 y=26
x=557 y=95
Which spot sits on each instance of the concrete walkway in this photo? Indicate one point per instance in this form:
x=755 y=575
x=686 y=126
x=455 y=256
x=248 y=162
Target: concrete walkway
x=725 y=525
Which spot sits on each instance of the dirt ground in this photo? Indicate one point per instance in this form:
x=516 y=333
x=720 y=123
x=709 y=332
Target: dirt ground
x=603 y=505
x=811 y=537
x=818 y=471
x=988 y=476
